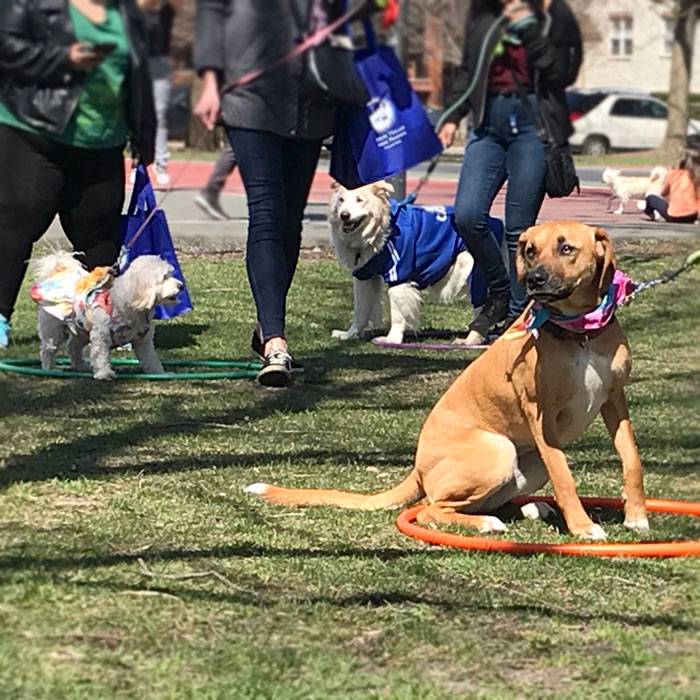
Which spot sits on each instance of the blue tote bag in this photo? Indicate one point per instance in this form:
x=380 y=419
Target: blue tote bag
x=154 y=239
x=389 y=134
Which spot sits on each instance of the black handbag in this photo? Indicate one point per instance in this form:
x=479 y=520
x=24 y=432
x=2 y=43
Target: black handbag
x=329 y=73
x=561 y=178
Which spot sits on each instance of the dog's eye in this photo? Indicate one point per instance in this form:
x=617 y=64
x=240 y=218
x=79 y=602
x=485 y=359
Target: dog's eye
x=566 y=249
x=530 y=252
x=341 y=199
x=359 y=200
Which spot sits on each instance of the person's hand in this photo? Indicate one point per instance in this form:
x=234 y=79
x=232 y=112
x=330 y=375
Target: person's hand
x=209 y=102
x=447 y=134
x=82 y=57
x=515 y=10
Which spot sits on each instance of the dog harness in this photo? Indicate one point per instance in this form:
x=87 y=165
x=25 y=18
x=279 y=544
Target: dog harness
x=423 y=245
x=72 y=296
x=619 y=294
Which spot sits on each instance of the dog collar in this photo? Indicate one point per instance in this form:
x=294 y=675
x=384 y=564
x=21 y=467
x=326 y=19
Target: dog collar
x=578 y=325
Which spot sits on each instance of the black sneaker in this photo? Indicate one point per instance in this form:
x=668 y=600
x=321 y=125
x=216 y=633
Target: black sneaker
x=211 y=207
x=493 y=312
x=257 y=349
x=277 y=369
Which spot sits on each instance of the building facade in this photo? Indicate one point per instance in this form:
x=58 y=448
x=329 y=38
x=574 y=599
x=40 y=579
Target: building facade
x=627 y=43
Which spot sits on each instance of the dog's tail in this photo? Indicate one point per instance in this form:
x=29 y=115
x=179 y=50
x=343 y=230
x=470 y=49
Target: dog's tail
x=53 y=263
x=407 y=492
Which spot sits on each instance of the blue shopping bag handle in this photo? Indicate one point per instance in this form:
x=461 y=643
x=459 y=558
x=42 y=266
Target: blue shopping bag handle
x=143 y=198
x=369 y=35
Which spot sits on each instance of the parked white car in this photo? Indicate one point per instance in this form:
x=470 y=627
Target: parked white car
x=630 y=121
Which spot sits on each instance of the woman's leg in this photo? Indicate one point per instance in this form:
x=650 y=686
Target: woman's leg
x=260 y=160
x=161 y=74
x=657 y=204
x=92 y=201
x=300 y=161
x=482 y=175
x=30 y=190
x=526 y=176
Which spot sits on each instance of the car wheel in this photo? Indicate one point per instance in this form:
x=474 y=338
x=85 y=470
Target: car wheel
x=595 y=146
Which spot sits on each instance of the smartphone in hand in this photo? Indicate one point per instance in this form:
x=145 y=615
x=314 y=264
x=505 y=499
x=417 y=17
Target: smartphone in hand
x=103 y=48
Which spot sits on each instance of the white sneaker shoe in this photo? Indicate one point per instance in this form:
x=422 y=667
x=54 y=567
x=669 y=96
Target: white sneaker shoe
x=657 y=216
x=641 y=204
x=162 y=177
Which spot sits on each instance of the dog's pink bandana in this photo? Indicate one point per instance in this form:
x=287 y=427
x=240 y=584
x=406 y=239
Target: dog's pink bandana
x=618 y=294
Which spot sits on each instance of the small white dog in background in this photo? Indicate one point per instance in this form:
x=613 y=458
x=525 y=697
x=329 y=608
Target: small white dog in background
x=94 y=308
x=420 y=250
x=626 y=187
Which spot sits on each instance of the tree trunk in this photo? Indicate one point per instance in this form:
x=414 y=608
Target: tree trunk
x=679 y=82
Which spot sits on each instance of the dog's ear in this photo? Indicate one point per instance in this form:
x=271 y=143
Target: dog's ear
x=143 y=289
x=606 y=258
x=520 y=265
x=335 y=185
x=382 y=188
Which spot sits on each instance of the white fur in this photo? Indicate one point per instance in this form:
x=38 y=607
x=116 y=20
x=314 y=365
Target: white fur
x=360 y=223
x=147 y=282
x=625 y=187
x=257 y=489
x=537 y=510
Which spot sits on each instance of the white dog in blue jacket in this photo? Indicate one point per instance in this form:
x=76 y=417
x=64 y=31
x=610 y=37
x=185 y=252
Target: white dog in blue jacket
x=409 y=248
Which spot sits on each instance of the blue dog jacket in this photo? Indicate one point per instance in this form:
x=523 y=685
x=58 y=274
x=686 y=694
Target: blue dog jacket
x=422 y=246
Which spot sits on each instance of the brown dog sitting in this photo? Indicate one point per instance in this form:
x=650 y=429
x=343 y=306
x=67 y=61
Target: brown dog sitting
x=500 y=429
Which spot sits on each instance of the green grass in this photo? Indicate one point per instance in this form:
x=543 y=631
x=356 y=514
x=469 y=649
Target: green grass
x=321 y=603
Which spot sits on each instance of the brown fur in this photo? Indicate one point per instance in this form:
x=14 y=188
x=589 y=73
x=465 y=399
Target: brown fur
x=499 y=429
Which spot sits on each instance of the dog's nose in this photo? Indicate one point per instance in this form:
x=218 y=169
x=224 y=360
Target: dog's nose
x=537 y=278
x=345 y=215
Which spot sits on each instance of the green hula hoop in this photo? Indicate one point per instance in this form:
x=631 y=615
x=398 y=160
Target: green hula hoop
x=240 y=370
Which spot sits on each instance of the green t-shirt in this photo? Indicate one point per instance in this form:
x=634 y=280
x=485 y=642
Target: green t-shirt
x=99 y=118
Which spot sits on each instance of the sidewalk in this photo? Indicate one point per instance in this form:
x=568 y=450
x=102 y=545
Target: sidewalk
x=193 y=231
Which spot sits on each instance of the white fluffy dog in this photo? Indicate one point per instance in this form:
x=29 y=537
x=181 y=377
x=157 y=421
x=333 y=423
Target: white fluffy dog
x=416 y=249
x=96 y=309
x=626 y=187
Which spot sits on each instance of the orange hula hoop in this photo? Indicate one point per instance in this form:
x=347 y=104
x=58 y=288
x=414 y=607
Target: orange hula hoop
x=405 y=523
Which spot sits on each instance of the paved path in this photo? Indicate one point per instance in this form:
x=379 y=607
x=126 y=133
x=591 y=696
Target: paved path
x=192 y=229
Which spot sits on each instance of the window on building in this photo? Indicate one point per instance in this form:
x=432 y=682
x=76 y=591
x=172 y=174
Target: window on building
x=669 y=29
x=620 y=36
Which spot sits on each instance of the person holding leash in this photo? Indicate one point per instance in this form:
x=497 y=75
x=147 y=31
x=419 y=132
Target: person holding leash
x=276 y=133
x=75 y=88
x=536 y=50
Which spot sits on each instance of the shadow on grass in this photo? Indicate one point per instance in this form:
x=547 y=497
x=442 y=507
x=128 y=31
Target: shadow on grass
x=264 y=595
x=77 y=456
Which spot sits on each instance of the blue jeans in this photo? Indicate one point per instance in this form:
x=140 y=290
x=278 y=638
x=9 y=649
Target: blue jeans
x=504 y=147
x=657 y=203
x=277 y=174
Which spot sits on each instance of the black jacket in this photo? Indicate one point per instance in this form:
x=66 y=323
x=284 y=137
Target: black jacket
x=553 y=50
x=38 y=84
x=234 y=37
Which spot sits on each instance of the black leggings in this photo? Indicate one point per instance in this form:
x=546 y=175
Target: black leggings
x=40 y=178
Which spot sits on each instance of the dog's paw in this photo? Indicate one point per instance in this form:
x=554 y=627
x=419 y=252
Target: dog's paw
x=537 y=510
x=637 y=524
x=105 y=374
x=617 y=211
x=492 y=524
x=345 y=335
x=593 y=532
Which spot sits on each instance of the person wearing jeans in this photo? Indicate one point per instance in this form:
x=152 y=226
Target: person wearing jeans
x=497 y=151
x=276 y=131
x=518 y=58
x=159 y=16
